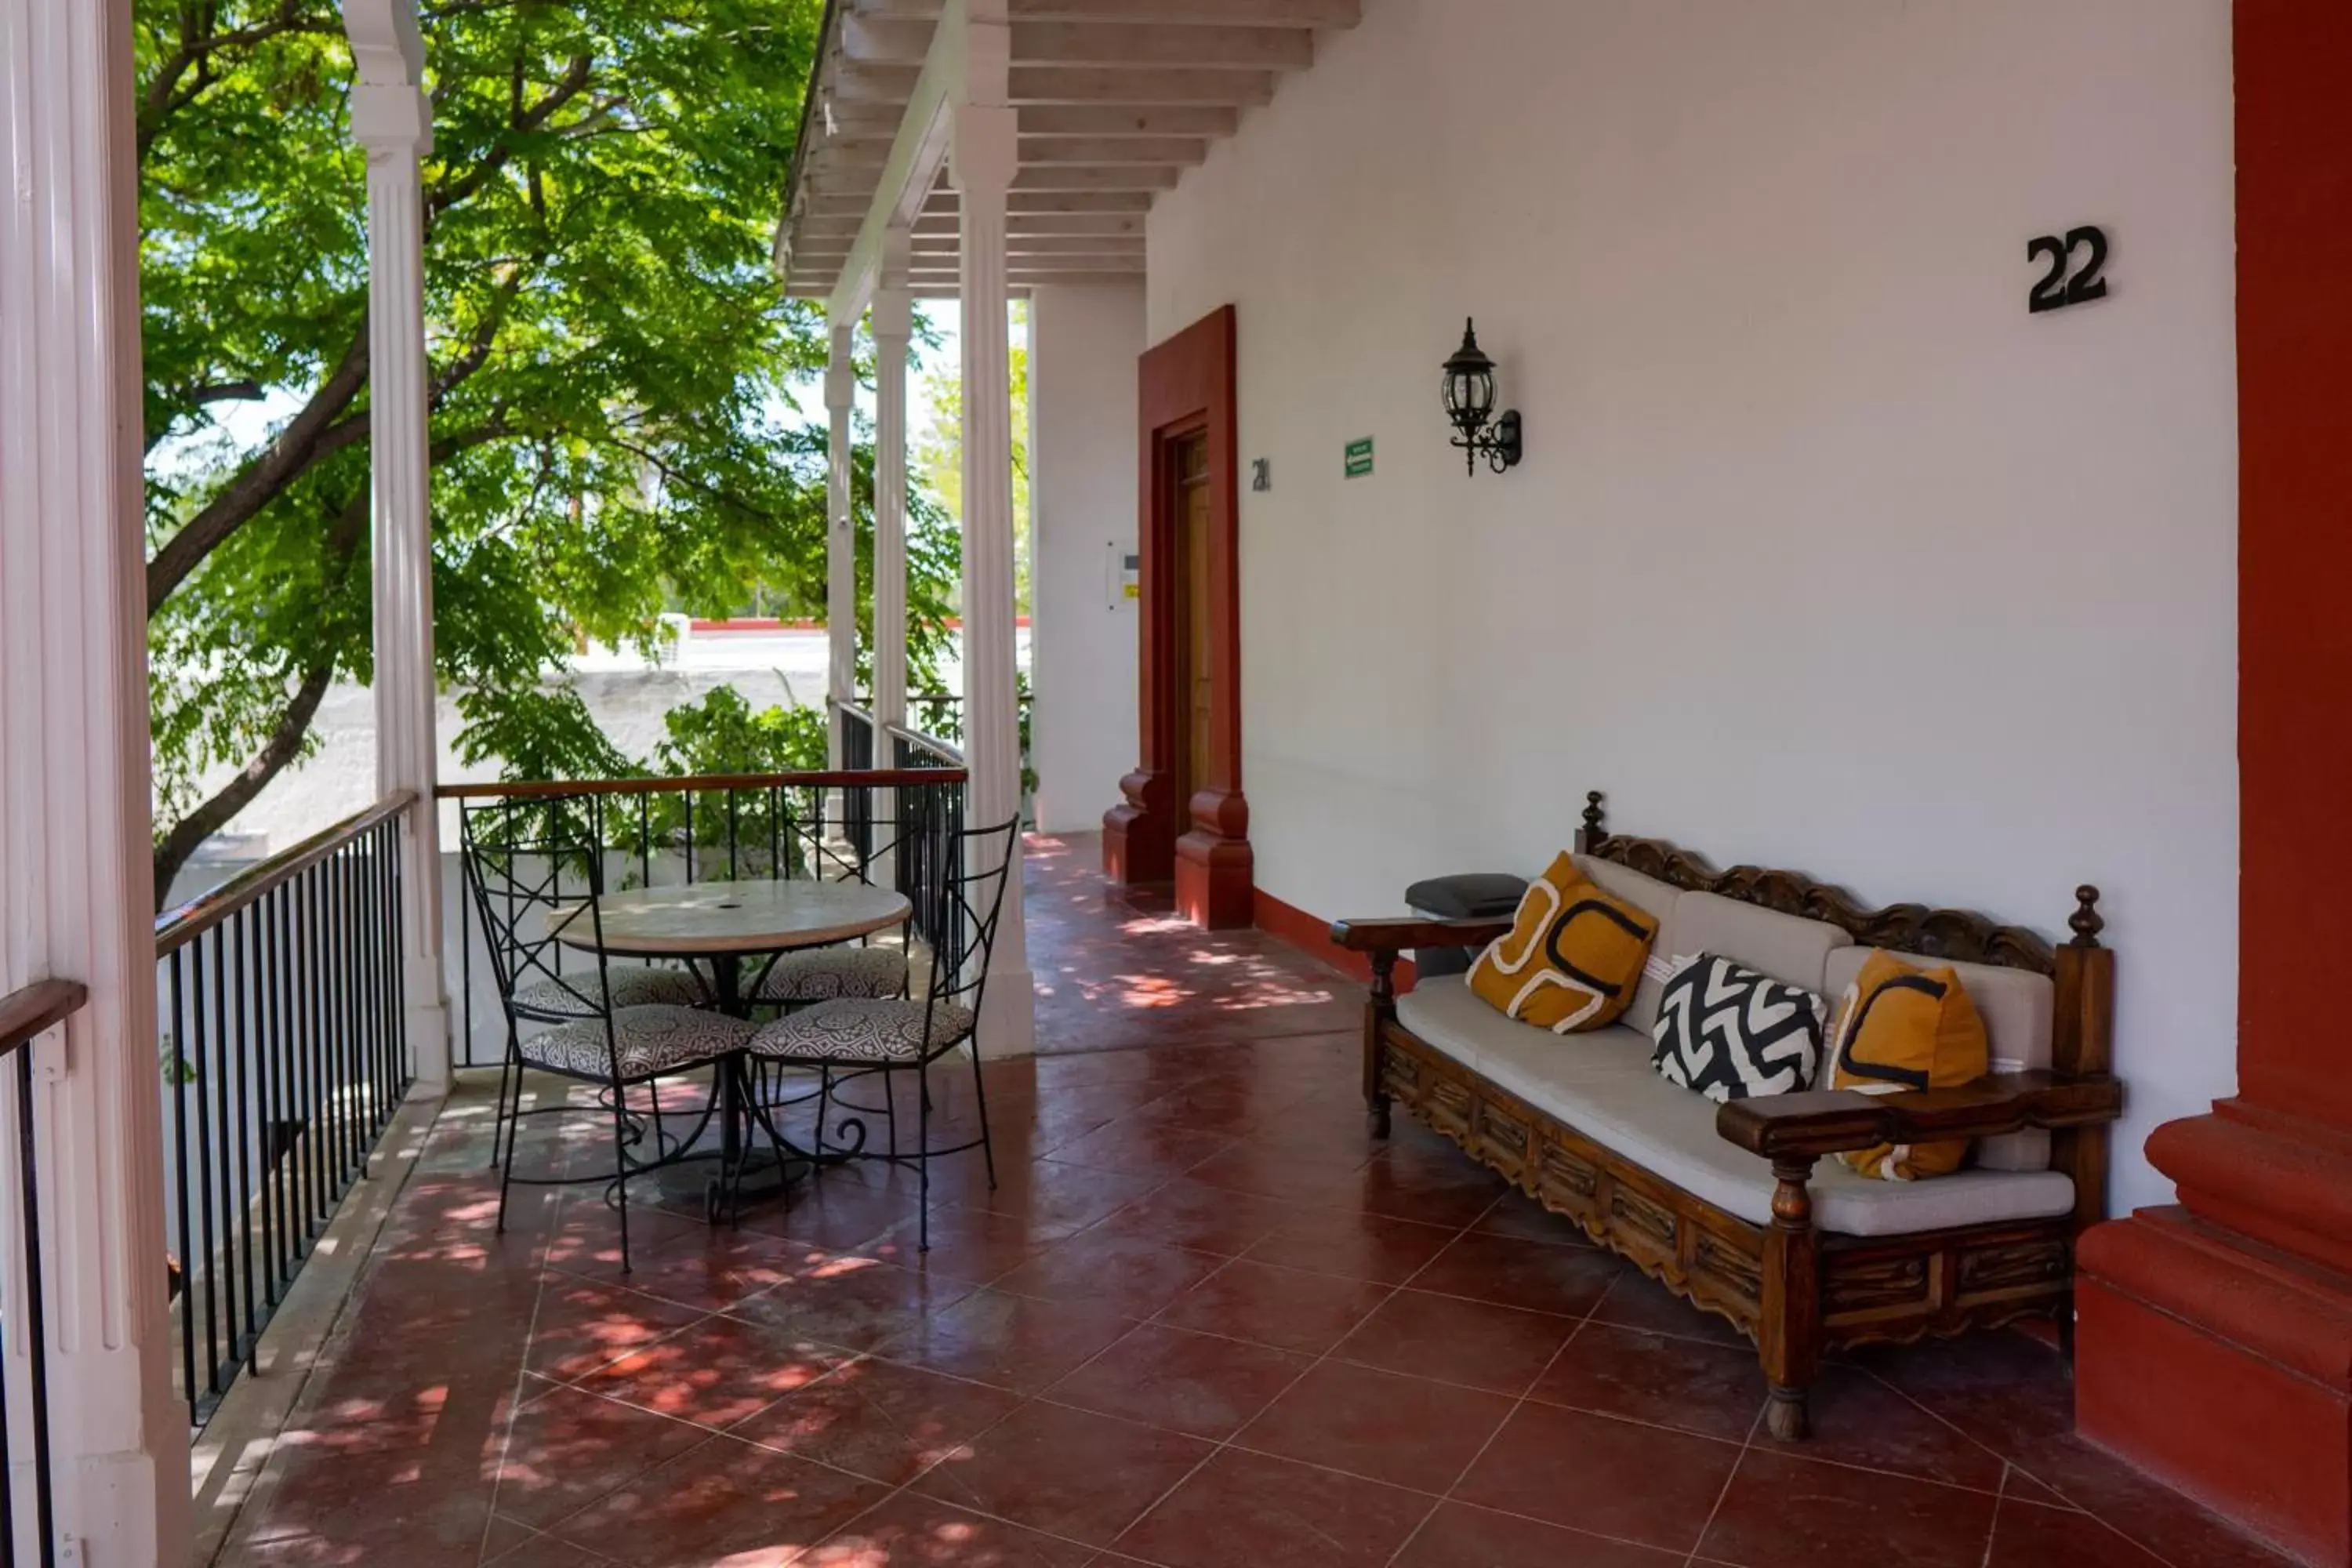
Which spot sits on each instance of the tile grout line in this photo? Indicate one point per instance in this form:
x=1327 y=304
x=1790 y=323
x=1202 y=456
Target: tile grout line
x=1516 y=1404
x=1221 y=1445
x=1746 y=1444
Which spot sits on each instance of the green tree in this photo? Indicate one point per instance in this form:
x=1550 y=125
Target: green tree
x=614 y=430
x=937 y=460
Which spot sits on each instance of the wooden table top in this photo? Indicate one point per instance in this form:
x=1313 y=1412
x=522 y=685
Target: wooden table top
x=736 y=918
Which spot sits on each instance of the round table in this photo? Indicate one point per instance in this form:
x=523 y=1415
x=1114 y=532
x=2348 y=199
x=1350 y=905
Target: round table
x=717 y=925
x=722 y=922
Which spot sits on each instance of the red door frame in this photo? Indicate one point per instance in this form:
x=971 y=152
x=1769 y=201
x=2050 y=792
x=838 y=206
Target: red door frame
x=1203 y=844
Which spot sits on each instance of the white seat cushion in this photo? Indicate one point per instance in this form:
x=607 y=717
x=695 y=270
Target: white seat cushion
x=865 y=1031
x=826 y=974
x=1519 y=1059
x=1601 y=1085
x=648 y=1040
x=575 y=995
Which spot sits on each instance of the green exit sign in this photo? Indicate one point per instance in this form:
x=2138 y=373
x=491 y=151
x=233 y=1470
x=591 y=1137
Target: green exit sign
x=1360 y=457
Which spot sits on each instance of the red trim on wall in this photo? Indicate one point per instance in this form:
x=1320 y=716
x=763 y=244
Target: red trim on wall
x=1312 y=937
x=2215 y=1336
x=1186 y=389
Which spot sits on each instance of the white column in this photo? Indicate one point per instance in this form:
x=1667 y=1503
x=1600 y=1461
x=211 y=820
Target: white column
x=840 y=532
x=893 y=324
x=983 y=155
x=392 y=121
x=77 y=881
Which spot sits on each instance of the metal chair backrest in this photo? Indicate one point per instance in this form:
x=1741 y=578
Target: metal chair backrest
x=518 y=855
x=972 y=880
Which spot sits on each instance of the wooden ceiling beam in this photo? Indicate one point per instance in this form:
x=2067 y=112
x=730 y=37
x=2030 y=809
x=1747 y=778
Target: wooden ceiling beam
x=1020 y=224
x=1176 y=151
x=1104 y=84
x=1020 y=202
x=1161 y=47
x=856 y=82
x=885 y=42
x=1095 y=177
x=1097 y=122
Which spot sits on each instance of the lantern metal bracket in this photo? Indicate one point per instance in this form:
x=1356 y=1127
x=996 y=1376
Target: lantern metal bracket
x=1502 y=446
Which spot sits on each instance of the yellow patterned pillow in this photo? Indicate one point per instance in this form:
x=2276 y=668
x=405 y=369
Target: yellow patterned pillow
x=1902 y=1028
x=1573 y=958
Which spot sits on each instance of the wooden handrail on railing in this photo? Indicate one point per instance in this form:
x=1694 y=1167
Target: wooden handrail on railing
x=43 y=1005
x=949 y=755
x=176 y=928
x=820 y=778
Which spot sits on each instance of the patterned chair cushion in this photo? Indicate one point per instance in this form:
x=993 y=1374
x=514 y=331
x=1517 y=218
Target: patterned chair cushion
x=865 y=1031
x=827 y=973
x=648 y=1041
x=573 y=995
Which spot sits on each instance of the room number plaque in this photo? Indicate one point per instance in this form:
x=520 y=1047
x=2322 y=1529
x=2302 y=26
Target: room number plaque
x=2068 y=280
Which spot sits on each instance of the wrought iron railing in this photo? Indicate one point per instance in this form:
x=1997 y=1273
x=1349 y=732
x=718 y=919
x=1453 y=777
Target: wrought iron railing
x=284 y=1055
x=858 y=733
x=937 y=716
x=887 y=826
x=26 y=1487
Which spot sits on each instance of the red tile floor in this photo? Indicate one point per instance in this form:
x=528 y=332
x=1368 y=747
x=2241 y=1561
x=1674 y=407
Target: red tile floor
x=1202 y=1321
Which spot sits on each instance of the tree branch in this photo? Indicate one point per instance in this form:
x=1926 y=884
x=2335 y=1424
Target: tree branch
x=302 y=443
x=165 y=97
x=573 y=83
x=285 y=743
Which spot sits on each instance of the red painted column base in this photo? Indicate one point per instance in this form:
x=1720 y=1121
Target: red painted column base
x=1217 y=869
x=1138 y=839
x=2220 y=1363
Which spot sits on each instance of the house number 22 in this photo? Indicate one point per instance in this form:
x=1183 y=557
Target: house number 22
x=2065 y=283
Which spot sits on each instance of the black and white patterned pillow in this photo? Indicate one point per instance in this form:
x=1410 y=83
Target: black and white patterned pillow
x=1732 y=1034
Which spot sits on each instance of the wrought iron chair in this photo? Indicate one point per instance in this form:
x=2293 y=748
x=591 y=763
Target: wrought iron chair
x=851 y=844
x=888 y=1035
x=518 y=856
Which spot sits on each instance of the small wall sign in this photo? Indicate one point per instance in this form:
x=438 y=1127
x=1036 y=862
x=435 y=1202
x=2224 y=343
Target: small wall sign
x=1260 y=474
x=1360 y=457
x=2066 y=282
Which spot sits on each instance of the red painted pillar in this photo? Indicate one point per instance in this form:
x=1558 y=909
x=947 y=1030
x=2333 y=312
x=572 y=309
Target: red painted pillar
x=2216 y=1334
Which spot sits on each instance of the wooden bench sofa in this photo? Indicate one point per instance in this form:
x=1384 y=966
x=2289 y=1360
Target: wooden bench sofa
x=1742 y=1208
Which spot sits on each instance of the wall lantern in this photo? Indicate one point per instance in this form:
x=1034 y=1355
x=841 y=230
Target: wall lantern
x=1470 y=404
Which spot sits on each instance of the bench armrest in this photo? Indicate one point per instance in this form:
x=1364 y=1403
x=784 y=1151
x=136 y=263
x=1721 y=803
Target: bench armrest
x=1835 y=1120
x=1393 y=936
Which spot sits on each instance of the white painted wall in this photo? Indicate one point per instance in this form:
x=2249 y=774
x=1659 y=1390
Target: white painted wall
x=1085 y=339
x=1825 y=554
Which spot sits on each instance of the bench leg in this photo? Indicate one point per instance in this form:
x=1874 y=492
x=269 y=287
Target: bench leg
x=1377 y=1012
x=1790 y=1341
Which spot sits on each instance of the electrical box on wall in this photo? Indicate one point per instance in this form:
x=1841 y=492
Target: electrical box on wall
x=1124 y=580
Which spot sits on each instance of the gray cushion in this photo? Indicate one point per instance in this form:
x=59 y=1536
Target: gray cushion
x=573 y=995
x=1520 y=1058
x=1657 y=898
x=1786 y=947
x=2019 y=1008
x=865 y=1031
x=826 y=974
x=647 y=1041
x=1601 y=1085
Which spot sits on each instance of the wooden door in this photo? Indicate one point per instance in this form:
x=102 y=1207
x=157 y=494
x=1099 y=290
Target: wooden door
x=1183 y=811
x=1195 y=739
